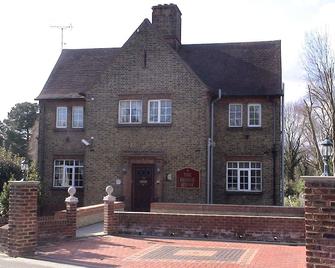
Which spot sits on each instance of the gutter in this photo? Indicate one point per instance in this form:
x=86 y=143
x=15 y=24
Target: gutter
x=210 y=150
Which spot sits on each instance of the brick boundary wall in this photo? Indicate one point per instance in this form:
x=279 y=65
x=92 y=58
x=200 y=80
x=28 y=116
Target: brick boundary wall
x=3 y=238
x=52 y=228
x=232 y=227
x=22 y=219
x=223 y=209
x=90 y=214
x=320 y=221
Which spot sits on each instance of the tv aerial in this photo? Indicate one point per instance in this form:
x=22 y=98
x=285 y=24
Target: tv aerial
x=62 y=28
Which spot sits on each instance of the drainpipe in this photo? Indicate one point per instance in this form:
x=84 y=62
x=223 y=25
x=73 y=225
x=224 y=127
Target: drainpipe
x=211 y=145
x=274 y=151
x=282 y=150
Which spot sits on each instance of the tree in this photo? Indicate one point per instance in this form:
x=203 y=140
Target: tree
x=293 y=138
x=319 y=65
x=2 y=133
x=19 y=123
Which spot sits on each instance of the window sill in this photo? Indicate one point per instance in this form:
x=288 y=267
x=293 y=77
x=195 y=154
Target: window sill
x=243 y=192
x=244 y=128
x=69 y=129
x=254 y=128
x=53 y=188
x=146 y=125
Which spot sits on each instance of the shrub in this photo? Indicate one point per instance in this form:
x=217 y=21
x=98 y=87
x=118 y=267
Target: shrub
x=10 y=166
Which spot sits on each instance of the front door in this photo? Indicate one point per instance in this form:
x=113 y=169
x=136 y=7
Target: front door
x=143 y=187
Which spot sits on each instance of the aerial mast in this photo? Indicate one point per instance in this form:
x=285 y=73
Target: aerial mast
x=62 y=28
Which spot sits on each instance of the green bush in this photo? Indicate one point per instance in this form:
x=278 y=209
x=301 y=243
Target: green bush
x=294 y=193
x=4 y=199
x=32 y=175
x=10 y=166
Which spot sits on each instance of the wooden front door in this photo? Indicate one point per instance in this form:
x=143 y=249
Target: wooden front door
x=143 y=187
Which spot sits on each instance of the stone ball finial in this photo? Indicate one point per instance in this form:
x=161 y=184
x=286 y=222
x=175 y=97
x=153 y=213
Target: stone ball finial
x=109 y=197
x=109 y=190
x=72 y=191
x=71 y=198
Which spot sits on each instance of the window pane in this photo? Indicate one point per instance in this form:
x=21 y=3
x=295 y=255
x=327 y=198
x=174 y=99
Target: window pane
x=244 y=178
x=165 y=111
x=68 y=177
x=136 y=111
x=124 y=112
x=61 y=117
x=254 y=115
x=153 y=111
x=77 y=116
x=232 y=179
x=58 y=176
x=78 y=177
x=235 y=115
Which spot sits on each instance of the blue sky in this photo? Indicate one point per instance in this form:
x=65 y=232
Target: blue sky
x=29 y=47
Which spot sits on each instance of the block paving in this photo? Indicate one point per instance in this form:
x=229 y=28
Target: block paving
x=131 y=251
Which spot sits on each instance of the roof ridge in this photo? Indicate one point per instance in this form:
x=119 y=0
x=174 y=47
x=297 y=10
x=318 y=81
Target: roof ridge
x=237 y=43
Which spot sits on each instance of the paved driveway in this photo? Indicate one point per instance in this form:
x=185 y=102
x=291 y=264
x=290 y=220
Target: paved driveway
x=116 y=251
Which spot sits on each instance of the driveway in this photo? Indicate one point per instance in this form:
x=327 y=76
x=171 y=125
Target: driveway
x=137 y=251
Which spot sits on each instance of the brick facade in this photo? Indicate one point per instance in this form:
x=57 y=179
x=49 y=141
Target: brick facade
x=147 y=68
x=320 y=221
x=245 y=143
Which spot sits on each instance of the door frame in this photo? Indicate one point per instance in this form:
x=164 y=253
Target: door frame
x=133 y=185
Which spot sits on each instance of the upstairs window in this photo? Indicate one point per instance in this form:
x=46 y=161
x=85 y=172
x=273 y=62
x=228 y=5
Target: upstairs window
x=244 y=176
x=68 y=172
x=77 y=116
x=254 y=115
x=159 y=111
x=130 y=111
x=235 y=115
x=61 y=117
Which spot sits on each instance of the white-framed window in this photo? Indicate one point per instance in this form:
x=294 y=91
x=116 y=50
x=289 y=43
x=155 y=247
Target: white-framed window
x=235 y=115
x=254 y=115
x=159 y=111
x=77 y=116
x=130 y=111
x=61 y=117
x=68 y=172
x=244 y=176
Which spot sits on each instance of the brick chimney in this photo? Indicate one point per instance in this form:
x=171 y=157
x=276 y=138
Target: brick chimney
x=167 y=19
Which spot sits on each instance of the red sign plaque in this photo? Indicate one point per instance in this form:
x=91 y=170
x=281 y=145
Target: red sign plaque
x=187 y=178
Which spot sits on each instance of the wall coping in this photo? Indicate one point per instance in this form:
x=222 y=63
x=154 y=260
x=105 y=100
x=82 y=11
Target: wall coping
x=319 y=178
x=208 y=215
x=24 y=183
x=225 y=205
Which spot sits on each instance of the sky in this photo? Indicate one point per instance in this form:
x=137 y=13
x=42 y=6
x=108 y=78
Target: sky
x=29 y=47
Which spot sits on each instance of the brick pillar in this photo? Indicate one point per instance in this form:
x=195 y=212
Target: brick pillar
x=110 y=224
x=22 y=221
x=320 y=221
x=71 y=213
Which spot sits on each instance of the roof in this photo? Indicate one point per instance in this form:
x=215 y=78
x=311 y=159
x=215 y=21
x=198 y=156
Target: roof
x=239 y=69
x=76 y=71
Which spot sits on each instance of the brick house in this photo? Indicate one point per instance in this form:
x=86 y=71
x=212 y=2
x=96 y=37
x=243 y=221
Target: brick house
x=163 y=121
